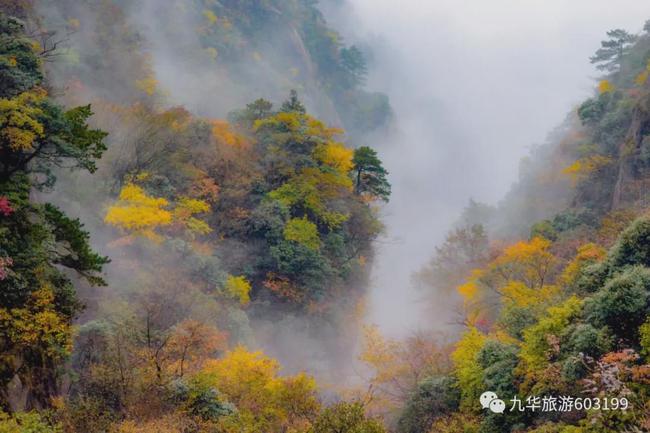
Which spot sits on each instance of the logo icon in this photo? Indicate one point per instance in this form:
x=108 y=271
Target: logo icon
x=489 y=400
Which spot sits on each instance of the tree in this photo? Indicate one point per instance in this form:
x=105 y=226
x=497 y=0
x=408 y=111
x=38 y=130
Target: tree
x=610 y=56
x=587 y=254
x=238 y=288
x=346 y=418
x=354 y=63
x=464 y=249
x=633 y=245
x=467 y=369
x=312 y=191
x=398 y=367
x=520 y=276
x=35 y=133
x=191 y=343
x=335 y=155
x=541 y=339
x=139 y=213
x=256 y=110
x=26 y=422
x=369 y=174
x=38 y=242
x=434 y=397
x=38 y=135
x=19 y=64
x=302 y=231
x=265 y=401
x=498 y=361
x=293 y=104
x=623 y=304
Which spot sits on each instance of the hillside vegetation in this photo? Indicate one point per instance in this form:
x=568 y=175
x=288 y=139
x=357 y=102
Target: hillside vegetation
x=173 y=212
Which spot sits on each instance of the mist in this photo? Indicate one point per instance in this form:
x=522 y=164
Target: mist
x=473 y=86
x=198 y=232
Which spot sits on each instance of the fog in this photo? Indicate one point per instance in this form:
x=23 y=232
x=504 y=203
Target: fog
x=473 y=85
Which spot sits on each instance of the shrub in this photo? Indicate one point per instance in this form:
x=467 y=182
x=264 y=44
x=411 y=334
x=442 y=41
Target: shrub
x=346 y=418
x=584 y=338
x=633 y=245
x=433 y=398
x=622 y=304
x=498 y=361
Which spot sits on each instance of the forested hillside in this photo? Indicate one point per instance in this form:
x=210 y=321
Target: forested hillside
x=210 y=229
x=189 y=203
x=553 y=282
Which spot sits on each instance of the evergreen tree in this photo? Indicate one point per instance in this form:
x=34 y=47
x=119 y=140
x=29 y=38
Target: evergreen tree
x=609 y=56
x=38 y=242
x=293 y=104
x=369 y=174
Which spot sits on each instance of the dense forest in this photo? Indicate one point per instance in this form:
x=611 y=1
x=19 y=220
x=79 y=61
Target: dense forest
x=188 y=218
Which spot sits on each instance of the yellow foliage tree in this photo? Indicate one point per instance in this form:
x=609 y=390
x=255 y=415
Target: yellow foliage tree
x=519 y=276
x=336 y=156
x=141 y=214
x=312 y=189
x=529 y=262
x=298 y=125
x=138 y=212
x=587 y=254
x=642 y=78
x=584 y=167
x=184 y=213
x=37 y=328
x=266 y=402
x=222 y=131
x=399 y=365
x=538 y=339
x=238 y=288
x=467 y=368
x=605 y=86
x=19 y=120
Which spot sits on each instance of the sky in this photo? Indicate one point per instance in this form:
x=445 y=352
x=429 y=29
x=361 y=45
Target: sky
x=474 y=84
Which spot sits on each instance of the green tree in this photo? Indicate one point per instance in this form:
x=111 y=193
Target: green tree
x=256 y=110
x=293 y=104
x=610 y=55
x=39 y=244
x=26 y=422
x=498 y=361
x=623 y=304
x=434 y=397
x=633 y=245
x=369 y=174
x=464 y=249
x=303 y=231
x=346 y=417
x=19 y=64
x=35 y=133
x=353 y=61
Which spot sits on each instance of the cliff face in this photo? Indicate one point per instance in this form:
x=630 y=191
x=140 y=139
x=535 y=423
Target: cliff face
x=236 y=51
x=632 y=181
